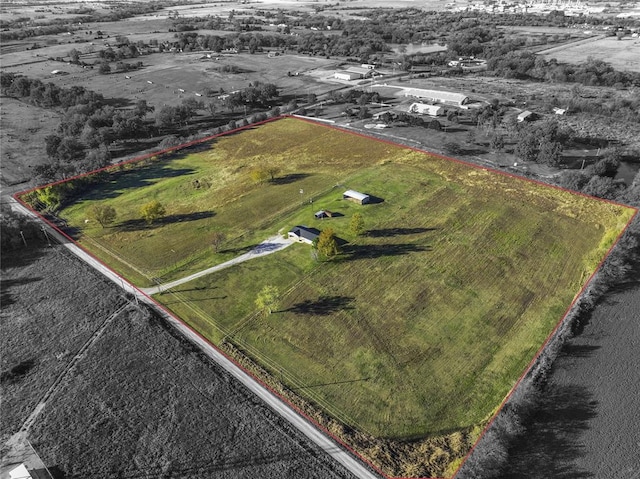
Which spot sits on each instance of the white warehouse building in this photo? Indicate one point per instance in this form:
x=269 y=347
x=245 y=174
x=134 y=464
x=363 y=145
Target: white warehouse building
x=436 y=96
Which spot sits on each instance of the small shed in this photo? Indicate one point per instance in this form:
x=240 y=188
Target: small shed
x=526 y=116
x=356 y=196
x=304 y=234
x=323 y=214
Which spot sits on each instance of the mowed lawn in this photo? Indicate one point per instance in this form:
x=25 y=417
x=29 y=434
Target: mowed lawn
x=423 y=324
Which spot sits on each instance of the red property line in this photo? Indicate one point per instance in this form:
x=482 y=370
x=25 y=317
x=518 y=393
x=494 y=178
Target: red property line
x=155 y=304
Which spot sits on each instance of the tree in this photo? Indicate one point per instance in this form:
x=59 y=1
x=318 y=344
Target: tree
x=217 y=239
x=74 y=55
x=152 y=211
x=497 y=142
x=550 y=153
x=103 y=214
x=527 y=148
x=603 y=187
x=259 y=175
x=104 y=68
x=356 y=225
x=272 y=171
x=326 y=244
x=267 y=300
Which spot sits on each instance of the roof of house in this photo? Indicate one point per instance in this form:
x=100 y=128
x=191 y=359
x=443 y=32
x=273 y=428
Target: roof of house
x=355 y=194
x=360 y=70
x=525 y=114
x=424 y=107
x=19 y=472
x=305 y=232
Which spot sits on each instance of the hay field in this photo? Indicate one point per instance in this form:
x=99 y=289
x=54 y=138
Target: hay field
x=421 y=327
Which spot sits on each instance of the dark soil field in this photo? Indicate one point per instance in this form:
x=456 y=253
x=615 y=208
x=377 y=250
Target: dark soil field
x=587 y=425
x=23 y=124
x=140 y=402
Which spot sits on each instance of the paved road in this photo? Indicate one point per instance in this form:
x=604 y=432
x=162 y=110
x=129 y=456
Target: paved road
x=268 y=246
x=323 y=441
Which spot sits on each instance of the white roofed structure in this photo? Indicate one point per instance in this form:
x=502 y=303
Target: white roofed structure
x=437 y=96
x=426 y=109
x=356 y=196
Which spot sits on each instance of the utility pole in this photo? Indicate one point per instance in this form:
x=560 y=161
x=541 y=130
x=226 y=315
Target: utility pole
x=46 y=235
x=22 y=236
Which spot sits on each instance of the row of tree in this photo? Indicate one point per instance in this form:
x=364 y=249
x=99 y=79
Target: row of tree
x=47 y=95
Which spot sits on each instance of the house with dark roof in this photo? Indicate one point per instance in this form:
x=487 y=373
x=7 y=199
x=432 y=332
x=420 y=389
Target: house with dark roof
x=304 y=234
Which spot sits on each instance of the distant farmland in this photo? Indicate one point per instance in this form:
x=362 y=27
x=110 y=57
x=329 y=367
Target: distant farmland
x=417 y=331
x=623 y=55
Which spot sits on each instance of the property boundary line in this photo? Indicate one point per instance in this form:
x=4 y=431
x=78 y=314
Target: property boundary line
x=114 y=276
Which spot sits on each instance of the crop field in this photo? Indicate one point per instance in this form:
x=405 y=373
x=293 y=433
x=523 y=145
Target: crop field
x=418 y=329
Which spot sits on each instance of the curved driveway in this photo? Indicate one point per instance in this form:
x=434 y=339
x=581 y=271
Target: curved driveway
x=268 y=246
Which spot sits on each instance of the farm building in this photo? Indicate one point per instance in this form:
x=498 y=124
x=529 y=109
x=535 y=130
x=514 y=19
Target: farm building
x=304 y=234
x=353 y=73
x=356 y=196
x=526 y=116
x=426 y=109
x=21 y=472
x=436 y=96
x=323 y=214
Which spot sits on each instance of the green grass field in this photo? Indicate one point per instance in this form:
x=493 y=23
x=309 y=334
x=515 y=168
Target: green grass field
x=421 y=326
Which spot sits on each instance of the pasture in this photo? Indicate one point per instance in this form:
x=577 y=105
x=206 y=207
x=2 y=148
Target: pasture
x=623 y=55
x=419 y=328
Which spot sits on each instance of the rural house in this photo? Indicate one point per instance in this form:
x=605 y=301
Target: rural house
x=426 y=109
x=356 y=196
x=304 y=234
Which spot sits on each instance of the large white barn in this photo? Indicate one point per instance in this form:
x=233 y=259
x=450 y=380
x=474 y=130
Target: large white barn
x=436 y=96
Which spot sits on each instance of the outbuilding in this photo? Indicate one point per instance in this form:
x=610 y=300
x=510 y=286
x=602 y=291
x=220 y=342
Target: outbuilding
x=526 y=116
x=353 y=73
x=437 y=96
x=323 y=214
x=426 y=109
x=356 y=196
x=304 y=234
